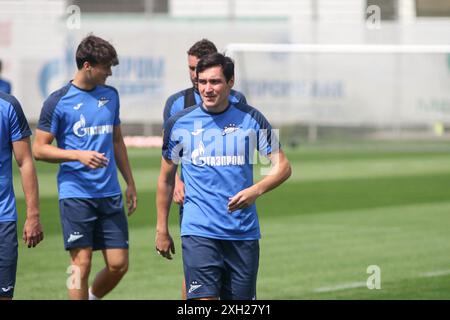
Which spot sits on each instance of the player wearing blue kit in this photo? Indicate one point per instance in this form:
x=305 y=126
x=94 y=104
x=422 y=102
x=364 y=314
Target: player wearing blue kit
x=216 y=140
x=187 y=98
x=83 y=116
x=15 y=138
x=5 y=86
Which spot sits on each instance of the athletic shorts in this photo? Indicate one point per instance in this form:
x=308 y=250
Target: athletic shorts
x=99 y=223
x=220 y=268
x=8 y=258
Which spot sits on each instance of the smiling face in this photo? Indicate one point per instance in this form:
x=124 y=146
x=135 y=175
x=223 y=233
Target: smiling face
x=214 y=89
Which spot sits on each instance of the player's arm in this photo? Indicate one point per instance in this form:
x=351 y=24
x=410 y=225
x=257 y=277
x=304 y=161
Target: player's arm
x=178 y=193
x=171 y=104
x=32 y=230
x=121 y=156
x=45 y=151
x=164 y=193
x=280 y=171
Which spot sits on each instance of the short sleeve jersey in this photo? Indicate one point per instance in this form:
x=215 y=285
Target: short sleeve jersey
x=217 y=154
x=84 y=120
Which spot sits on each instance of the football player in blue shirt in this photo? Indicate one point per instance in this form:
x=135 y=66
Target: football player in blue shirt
x=83 y=116
x=15 y=138
x=187 y=98
x=215 y=142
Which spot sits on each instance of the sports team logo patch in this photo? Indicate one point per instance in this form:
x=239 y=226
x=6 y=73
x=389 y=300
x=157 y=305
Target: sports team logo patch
x=102 y=102
x=229 y=129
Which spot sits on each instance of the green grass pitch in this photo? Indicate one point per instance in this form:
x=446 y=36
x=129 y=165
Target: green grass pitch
x=345 y=208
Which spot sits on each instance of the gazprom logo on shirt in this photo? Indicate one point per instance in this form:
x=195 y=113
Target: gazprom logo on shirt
x=227 y=145
x=80 y=129
x=198 y=158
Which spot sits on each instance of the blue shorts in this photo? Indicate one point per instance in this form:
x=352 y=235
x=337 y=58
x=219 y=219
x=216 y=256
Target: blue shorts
x=220 y=268
x=98 y=223
x=8 y=258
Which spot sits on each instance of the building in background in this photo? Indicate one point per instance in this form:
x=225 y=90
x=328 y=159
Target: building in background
x=38 y=38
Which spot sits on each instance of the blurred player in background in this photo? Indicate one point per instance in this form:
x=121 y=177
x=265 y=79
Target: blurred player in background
x=220 y=229
x=187 y=98
x=83 y=116
x=5 y=86
x=15 y=138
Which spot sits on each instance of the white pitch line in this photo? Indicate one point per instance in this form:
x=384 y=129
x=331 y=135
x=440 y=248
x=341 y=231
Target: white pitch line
x=437 y=273
x=342 y=286
x=353 y=285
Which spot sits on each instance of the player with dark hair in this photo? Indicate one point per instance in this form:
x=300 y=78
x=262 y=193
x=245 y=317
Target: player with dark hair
x=83 y=116
x=215 y=141
x=187 y=98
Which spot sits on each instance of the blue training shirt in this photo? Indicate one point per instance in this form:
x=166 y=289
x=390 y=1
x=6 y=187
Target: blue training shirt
x=13 y=127
x=84 y=120
x=175 y=103
x=217 y=152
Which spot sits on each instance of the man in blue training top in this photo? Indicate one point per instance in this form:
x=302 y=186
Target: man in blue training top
x=216 y=140
x=5 y=86
x=83 y=116
x=15 y=138
x=187 y=98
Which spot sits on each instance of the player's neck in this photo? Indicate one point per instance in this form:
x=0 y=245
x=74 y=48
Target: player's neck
x=219 y=109
x=81 y=82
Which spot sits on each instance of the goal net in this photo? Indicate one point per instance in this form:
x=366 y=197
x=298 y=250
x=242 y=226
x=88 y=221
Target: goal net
x=384 y=87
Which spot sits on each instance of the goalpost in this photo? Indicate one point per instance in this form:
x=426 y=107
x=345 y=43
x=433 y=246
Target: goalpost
x=399 y=89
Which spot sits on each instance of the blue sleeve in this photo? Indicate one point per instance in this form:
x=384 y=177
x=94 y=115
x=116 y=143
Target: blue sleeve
x=267 y=139
x=173 y=105
x=169 y=150
x=18 y=124
x=49 y=119
x=242 y=98
x=237 y=97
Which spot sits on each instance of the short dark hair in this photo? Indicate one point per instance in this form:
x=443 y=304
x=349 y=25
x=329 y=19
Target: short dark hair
x=202 y=48
x=95 y=50
x=217 y=59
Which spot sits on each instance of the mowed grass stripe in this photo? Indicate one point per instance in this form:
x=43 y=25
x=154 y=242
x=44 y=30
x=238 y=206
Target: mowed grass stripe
x=290 y=268
x=295 y=198
x=297 y=258
x=146 y=179
x=351 y=194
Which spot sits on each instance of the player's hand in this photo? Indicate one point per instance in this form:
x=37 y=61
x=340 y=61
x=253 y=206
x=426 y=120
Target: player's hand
x=32 y=232
x=178 y=192
x=92 y=159
x=164 y=245
x=131 y=195
x=242 y=199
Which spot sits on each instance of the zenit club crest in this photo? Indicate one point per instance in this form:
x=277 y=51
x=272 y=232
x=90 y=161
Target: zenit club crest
x=229 y=129
x=102 y=101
